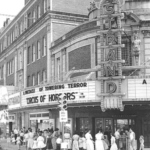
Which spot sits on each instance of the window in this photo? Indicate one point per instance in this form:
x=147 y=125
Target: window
x=29 y=20
x=21 y=28
x=28 y=81
x=28 y=55
x=20 y=64
x=44 y=76
x=2 y=72
x=38 y=50
x=38 y=78
x=33 y=53
x=33 y=80
x=38 y=11
x=33 y=16
x=10 y=67
x=45 y=5
x=13 y=36
x=58 y=68
x=44 y=46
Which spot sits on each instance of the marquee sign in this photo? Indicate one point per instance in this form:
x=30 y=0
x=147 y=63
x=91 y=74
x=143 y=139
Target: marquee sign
x=75 y=92
x=111 y=61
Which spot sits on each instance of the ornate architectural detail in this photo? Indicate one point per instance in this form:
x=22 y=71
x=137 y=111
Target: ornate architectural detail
x=92 y=6
x=136 y=47
x=110 y=38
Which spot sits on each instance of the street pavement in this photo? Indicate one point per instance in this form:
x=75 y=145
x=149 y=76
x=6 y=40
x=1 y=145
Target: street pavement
x=4 y=145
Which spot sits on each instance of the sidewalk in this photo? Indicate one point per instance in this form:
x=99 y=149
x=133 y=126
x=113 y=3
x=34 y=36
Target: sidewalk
x=9 y=146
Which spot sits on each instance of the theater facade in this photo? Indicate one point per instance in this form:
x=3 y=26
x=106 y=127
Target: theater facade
x=101 y=68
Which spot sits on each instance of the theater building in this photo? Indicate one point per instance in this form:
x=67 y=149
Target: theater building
x=101 y=67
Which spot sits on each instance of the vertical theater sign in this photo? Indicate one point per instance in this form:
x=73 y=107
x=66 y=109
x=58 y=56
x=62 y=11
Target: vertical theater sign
x=111 y=56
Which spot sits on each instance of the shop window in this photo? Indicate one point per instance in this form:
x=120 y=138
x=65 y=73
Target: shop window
x=85 y=124
x=38 y=115
x=32 y=115
x=45 y=115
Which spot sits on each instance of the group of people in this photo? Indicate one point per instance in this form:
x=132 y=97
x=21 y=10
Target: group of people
x=40 y=140
x=51 y=140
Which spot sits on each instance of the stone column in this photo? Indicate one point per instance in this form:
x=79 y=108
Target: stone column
x=25 y=65
x=15 y=69
x=48 y=52
x=5 y=70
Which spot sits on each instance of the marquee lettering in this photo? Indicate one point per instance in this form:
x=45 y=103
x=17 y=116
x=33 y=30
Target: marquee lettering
x=111 y=55
x=111 y=87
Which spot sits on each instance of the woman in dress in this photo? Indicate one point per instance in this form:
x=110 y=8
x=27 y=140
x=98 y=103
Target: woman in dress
x=30 y=139
x=113 y=143
x=99 y=140
x=89 y=141
x=75 y=144
x=40 y=141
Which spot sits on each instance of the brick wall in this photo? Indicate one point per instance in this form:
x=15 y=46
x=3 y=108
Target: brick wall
x=71 y=6
x=60 y=29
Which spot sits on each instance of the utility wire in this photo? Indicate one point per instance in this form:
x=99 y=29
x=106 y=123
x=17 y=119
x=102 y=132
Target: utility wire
x=7 y=15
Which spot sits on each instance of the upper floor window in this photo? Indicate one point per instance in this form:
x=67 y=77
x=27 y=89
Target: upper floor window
x=28 y=55
x=20 y=60
x=21 y=28
x=2 y=72
x=28 y=81
x=45 y=5
x=10 y=67
x=29 y=19
x=33 y=80
x=44 y=76
x=34 y=16
x=38 y=50
x=38 y=11
x=58 y=68
x=33 y=53
x=44 y=46
x=38 y=78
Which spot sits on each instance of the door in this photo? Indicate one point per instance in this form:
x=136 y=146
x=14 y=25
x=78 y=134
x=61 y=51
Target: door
x=146 y=130
x=85 y=124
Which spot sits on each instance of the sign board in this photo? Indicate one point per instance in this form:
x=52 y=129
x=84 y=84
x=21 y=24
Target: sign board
x=139 y=88
x=14 y=101
x=63 y=116
x=74 y=92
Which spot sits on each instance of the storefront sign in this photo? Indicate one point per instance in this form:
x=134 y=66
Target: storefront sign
x=139 y=88
x=51 y=94
x=63 y=116
x=14 y=101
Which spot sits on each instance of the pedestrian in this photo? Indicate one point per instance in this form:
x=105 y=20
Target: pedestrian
x=18 y=141
x=117 y=136
x=99 y=143
x=40 y=141
x=132 y=140
x=58 y=142
x=80 y=142
x=35 y=147
x=106 y=141
x=75 y=144
x=141 y=139
x=21 y=136
x=68 y=140
x=54 y=137
x=25 y=138
x=84 y=141
x=89 y=141
x=30 y=139
x=49 y=142
x=15 y=135
x=113 y=143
